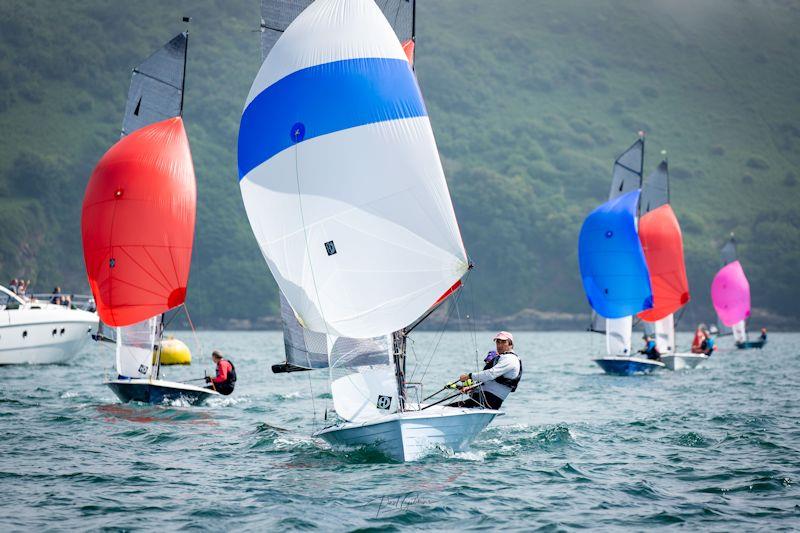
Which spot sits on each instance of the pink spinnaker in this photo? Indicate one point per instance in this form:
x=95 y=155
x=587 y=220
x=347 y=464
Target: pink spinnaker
x=730 y=292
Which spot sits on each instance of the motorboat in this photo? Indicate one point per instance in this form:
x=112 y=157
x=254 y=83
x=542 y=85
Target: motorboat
x=34 y=331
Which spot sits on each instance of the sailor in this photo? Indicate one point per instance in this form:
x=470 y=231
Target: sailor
x=500 y=376
x=225 y=380
x=763 y=336
x=650 y=349
x=699 y=337
x=708 y=344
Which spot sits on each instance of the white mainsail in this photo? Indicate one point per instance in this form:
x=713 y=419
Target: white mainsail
x=341 y=178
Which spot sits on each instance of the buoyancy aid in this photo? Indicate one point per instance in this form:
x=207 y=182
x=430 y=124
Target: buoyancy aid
x=508 y=382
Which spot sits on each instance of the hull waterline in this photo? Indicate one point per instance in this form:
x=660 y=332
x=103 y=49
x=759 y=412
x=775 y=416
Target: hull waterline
x=158 y=391
x=410 y=435
x=627 y=366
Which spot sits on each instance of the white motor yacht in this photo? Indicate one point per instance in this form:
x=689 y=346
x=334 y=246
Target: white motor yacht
x=39 y=332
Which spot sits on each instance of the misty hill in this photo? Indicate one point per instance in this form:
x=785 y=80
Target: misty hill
x=530 y=103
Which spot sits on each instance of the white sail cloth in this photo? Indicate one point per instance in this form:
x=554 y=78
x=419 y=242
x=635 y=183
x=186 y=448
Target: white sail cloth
x=739 y=331
x=135 y=345
x=341 y=178
x=618 y=335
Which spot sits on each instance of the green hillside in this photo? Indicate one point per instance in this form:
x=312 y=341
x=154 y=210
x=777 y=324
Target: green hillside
x=530 y=103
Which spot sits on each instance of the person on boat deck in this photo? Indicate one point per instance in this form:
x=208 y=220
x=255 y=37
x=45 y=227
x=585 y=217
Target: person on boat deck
x=650 y=349
x=500 y=376
x=708 y=344
x=56 y=299
x=225 y=380
x=699 y=337
x=763 y=336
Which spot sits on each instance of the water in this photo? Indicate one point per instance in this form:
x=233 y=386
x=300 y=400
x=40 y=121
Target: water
x=715 y=448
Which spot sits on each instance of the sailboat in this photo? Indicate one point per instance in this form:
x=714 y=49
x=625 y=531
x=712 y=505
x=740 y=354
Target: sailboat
x=345 y=193
x=613 y=267
x=730 y=294
x=137 y=226
x=662 y=242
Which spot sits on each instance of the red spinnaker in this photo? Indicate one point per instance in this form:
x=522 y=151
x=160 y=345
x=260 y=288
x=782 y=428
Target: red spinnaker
x=662 y=243
x=137 y=224
x=408 y=48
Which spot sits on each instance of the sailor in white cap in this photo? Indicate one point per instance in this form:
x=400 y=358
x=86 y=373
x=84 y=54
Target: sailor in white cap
x=499 y=377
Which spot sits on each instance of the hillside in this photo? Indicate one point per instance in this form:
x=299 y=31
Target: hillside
x=530 y=103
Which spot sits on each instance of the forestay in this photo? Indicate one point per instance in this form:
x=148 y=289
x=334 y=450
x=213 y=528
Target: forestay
x=156 y=91
x=341 y=178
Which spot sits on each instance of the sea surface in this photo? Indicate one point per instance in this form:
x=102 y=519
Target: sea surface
x=716 y=448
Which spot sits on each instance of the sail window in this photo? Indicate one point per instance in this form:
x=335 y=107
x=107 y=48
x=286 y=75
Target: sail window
x=138 y=107
x=330 y=247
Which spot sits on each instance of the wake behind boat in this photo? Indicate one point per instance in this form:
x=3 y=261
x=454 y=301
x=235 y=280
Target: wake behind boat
x=683 y=360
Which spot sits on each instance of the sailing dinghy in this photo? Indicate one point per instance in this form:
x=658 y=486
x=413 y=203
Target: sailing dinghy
x=137 y=226
x=730 y=294
x=613 y=267
x=345 y=193
x=662 y=243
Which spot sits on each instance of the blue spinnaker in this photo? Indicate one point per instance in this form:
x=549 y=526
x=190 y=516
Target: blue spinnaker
x=612 y=263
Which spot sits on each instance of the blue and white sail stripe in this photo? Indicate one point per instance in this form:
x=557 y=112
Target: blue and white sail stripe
x=341 y=178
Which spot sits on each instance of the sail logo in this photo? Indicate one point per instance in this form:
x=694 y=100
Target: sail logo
x=384 y=402
x=143 y=369
x=330 y=247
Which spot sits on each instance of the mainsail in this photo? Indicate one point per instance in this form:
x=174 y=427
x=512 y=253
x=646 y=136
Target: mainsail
x=157 y=85
x=334 y=105
x=276 y=15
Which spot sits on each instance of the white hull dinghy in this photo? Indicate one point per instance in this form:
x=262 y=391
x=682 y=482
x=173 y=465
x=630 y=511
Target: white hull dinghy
x=345 y=192
x=409 y=435
x=681 y=361
x=39 y=332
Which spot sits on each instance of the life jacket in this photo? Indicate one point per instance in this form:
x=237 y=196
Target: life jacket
x=227 y=386
x=508 y=382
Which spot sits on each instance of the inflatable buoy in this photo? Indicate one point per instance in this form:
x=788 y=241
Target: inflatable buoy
x=175 y=352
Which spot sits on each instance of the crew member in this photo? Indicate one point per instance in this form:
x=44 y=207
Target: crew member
x=763 y=336
x=500 y=376
x=650 y=349
x=699 y=337
x=225 y=380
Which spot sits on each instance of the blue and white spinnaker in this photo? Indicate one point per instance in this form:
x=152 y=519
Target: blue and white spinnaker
x=341 y=178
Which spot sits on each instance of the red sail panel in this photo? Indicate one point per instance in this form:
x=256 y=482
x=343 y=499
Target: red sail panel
x=662 y=242
x=408 y=48
x=137 y=224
